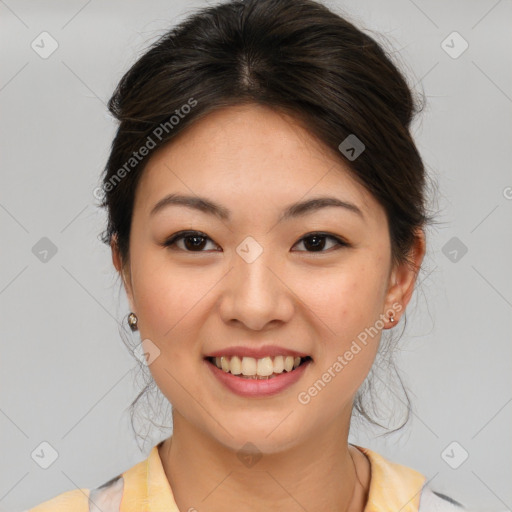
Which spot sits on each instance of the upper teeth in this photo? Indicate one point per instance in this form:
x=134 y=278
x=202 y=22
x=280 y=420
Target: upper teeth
x=261 y=367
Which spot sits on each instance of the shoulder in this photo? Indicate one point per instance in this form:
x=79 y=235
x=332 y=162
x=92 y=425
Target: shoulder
x=393 y=483
x=144 y=486
x=105 y=498
x=75 y=500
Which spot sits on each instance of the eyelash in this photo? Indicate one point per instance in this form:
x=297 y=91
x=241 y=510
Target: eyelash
x=189 y=234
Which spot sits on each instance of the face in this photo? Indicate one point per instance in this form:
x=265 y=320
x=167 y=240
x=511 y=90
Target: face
x=316 y=282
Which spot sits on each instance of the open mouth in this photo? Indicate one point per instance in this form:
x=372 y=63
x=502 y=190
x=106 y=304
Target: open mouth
x=258 y=369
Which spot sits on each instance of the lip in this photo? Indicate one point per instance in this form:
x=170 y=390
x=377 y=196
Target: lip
x=254 y=388
x=256 y=352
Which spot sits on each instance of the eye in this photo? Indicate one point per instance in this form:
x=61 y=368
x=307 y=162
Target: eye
x=194 y=241
x=316 y=241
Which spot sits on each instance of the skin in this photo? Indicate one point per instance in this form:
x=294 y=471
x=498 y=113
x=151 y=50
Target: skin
x=255 y=162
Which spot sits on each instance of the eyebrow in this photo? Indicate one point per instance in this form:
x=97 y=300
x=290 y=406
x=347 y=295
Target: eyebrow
x=212 y=208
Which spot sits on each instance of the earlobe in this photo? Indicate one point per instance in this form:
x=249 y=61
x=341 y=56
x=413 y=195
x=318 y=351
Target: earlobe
x=394 y=300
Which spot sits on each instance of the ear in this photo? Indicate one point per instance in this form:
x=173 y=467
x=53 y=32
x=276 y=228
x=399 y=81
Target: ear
x=123 y=269
x=402 y=279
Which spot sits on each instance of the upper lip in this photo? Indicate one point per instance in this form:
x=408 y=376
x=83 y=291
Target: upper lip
x=256 y=352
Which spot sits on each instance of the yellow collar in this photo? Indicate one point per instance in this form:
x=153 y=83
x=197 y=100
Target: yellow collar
x=392 y=486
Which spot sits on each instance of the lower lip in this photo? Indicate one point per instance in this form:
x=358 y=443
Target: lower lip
x=258 y=387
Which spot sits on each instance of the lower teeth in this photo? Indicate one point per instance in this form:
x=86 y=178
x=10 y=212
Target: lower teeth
x=259 y=377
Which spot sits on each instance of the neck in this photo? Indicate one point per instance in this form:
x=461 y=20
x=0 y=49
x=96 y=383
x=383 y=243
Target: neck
x=321 y=474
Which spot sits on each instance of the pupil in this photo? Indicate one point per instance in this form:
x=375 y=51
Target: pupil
x=318 y=241
x=195 y=245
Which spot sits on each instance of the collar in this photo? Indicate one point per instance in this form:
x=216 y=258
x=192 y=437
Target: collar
x=392 y=486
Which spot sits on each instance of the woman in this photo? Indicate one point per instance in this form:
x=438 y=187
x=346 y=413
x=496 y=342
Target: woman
x=266 y=212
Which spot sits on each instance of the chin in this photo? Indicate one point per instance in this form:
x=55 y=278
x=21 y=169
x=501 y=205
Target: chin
x=262 y=437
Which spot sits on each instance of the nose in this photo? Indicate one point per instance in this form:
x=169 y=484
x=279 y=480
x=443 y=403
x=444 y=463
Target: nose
x=255 y=294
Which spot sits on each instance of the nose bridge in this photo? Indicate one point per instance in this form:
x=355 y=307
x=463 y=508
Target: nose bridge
x=253 y=264
x=255 y=294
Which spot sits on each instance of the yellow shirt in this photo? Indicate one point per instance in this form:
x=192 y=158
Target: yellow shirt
x=145 y=488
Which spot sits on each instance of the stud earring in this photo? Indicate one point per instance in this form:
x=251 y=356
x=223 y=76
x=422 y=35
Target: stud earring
x=132 y=321
x=392 y=318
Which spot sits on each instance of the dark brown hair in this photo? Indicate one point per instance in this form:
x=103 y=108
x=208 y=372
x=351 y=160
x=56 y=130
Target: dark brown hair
x=294 y=56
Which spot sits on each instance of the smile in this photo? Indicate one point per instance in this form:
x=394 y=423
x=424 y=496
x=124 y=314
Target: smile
x=257 y=378
x=252 y=368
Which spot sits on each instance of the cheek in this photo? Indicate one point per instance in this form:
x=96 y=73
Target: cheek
x=346 y=304
x=167 y=297
x=347 y=299
x=169 y=306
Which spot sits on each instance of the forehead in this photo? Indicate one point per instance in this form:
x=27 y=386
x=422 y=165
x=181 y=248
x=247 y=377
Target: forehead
x=249 y=151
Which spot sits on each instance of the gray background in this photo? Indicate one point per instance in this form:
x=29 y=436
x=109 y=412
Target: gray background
x=66 y=377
